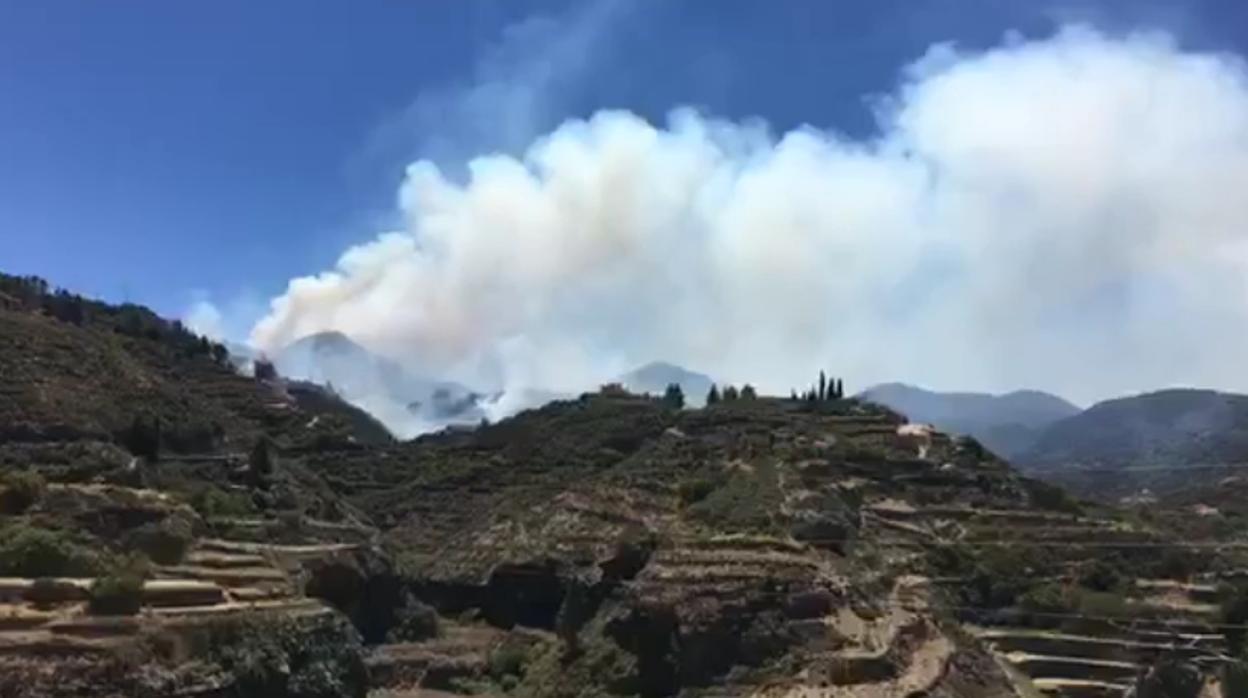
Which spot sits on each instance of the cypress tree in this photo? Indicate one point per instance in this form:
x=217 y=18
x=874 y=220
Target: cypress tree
x=674 y=397
x=823 y=386
x=712 y=396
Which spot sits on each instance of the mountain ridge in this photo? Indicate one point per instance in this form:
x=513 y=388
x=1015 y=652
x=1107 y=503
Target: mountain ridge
x=1007 y=423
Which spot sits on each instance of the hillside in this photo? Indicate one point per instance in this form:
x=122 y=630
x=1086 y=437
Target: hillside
x=1157 y=441
x=1007 y=424
x=761 y=547
x=608 y=545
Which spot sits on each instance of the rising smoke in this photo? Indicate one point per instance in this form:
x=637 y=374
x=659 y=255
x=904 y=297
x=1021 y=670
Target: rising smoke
x=1067 y=214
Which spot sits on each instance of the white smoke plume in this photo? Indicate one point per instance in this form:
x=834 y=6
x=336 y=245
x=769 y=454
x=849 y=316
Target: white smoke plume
x=1067 y=213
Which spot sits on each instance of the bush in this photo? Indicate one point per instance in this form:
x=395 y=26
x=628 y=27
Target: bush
x=745 y=502
x=1102 y=604
x=46 y=591
x=165 y=542
x=1045 y=599
x=1234 y=614
x=275 y=657
x=414 y=622
x=1046 y=496
x=20 y=490
x=212 y=502
x=1178 y=563
x=1103 y=575
x=1171 y=679
x=118 y=593
x=1235 y=678
x=694 y=490
x=507 y=659
x=26 y=551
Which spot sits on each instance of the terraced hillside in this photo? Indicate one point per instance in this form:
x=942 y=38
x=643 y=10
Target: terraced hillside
x=608 y=545
x=764 y=547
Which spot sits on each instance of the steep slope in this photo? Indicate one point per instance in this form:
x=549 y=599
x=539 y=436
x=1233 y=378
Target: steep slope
x=154 y=509
x=1007 y=424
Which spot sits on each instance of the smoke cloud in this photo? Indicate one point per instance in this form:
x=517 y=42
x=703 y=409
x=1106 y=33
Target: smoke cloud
x=1065 y=213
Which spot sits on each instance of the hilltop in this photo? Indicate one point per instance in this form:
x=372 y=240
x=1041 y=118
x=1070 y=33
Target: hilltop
x=1008 y=424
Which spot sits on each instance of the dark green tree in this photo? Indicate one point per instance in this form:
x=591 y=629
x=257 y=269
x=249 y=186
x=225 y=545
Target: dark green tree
x=712 y=395
x=793 y=395
x=823 y=386
x=261 y=459
x=674 y=397
x=265 y=370
x=220 y=354
x=747 y=392
x=142 y=438
x=730 y=393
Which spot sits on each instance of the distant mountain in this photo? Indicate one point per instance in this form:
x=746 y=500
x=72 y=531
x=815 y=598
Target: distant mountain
x=1146 y=445
x=1161 y=428
x=654 y=378
x=405 y=402
x=1007 y=424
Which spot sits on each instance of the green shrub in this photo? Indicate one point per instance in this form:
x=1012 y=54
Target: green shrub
x=1178 y=563
x=320 y=657
x=414 y=622
x=1103 y=575
x=212 y=502
x=1102 y=604
x=1043 y=599
x=1171 y=679
x=165 y=542
x=1235 y=678
x=27 y=551
x=507 y=659
x=1052 y=497
x=19 y=490
x=46 y=591
x=694 y=490
x=1234 y=614
x=747 y=502
x=118 y=593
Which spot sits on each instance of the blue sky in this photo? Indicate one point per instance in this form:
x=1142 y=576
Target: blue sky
x=159 y=150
